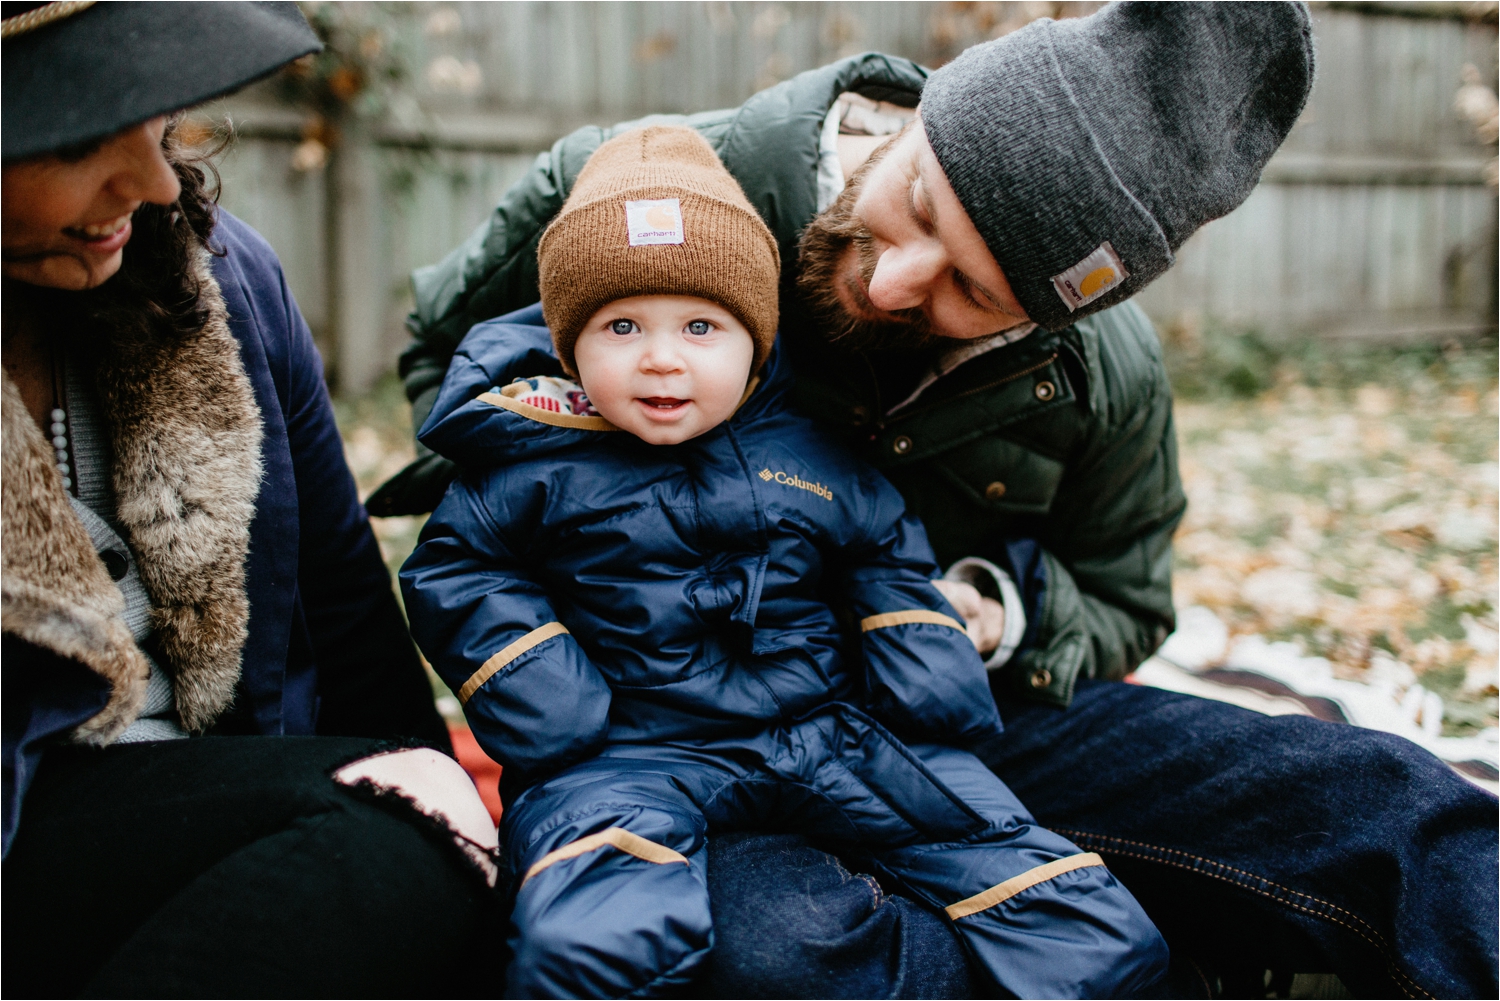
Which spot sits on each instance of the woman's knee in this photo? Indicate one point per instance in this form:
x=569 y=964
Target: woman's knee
x=437 y=787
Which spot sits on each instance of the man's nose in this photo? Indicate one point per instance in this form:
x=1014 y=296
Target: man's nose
x=904 y=275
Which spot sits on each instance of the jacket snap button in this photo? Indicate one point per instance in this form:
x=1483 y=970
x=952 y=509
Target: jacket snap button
x=1045 y=390
x=995 y=490
x=1041 y=679
x=901 y=445
x=115 y=564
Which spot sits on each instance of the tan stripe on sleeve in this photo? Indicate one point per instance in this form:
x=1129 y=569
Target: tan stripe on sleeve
x=617 y=837
x=493 y=666
x=888 y=619
x=1031 y=877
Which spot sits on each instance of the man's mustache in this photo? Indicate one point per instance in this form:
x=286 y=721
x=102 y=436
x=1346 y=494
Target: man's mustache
x=869 y=260
x=821 y=275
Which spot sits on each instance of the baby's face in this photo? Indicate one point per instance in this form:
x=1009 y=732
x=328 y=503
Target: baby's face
x=666 y=368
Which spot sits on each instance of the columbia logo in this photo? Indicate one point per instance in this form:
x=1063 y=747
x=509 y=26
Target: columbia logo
x=793 y=480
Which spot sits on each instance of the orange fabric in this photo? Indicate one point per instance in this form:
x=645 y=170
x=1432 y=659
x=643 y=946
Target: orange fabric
x=886 y=620
x=484 y=771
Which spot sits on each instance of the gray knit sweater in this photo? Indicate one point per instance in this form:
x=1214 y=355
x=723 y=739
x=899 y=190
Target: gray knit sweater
x=95 y=507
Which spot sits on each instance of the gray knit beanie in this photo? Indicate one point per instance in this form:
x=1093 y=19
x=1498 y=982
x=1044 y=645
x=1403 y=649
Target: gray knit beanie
x=1086 y=151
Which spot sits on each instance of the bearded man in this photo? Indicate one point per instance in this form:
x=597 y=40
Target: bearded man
x=955 y=299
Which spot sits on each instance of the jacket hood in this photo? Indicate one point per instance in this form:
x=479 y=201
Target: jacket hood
x=480 y=418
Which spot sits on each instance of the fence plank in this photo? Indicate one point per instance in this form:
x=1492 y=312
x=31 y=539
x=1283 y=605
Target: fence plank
x=1374 y=217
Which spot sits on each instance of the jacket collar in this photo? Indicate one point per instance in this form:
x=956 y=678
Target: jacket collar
x=186 y=436
x=789 y=118
x=948 y=359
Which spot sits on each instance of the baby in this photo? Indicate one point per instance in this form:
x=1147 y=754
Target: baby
x=640 y=589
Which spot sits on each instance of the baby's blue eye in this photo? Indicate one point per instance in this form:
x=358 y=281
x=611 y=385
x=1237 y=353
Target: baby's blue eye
x=699 y=327
x=623 y=326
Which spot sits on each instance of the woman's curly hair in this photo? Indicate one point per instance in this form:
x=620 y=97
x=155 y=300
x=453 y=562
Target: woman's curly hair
x=156 y=292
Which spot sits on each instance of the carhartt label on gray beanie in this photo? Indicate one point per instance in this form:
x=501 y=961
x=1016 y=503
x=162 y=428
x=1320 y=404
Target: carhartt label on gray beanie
x=1086 y=151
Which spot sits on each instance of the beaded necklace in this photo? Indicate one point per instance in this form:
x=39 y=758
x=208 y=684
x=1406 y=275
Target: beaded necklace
x=59 y=427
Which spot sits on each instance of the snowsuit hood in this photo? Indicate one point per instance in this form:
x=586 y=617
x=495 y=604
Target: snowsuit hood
x=472 y=424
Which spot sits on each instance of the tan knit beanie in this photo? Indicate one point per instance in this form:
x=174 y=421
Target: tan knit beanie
x=654 y=212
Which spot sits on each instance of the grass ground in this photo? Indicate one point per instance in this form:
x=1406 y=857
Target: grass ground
x=1346 y=500
x=1342 y=499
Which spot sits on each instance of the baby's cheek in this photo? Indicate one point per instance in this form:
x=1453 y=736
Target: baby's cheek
x=723 y=404
x=606 y=399
x=607 y=394
x=723 y=373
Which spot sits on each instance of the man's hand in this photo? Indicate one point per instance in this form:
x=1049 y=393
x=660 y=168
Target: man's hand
x=984 y=617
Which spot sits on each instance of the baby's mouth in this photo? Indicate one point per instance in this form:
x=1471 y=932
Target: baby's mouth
x=663 y=404
x=98 y=231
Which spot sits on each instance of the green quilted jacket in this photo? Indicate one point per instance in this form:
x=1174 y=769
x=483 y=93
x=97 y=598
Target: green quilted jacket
x=1065 y=438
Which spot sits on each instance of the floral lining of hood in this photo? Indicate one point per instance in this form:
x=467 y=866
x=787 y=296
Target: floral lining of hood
x=549 y=399
x=550 y=392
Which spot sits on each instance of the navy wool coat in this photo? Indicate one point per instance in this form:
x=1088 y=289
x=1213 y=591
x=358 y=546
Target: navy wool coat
x=327 y=650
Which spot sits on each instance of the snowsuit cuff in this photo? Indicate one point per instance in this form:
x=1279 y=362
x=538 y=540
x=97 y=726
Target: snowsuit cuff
x=993 y=582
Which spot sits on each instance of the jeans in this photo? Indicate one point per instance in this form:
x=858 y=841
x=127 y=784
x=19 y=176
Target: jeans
x=1254 y=842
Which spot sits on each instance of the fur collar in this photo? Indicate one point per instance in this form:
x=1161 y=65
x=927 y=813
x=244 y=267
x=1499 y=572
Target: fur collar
x=186 y=434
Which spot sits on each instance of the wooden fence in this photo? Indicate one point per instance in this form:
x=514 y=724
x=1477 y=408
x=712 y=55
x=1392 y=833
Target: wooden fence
x=1375 y=220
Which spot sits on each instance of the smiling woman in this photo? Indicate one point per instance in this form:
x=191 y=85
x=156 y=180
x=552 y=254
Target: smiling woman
x=66 y=221
x=185 y=556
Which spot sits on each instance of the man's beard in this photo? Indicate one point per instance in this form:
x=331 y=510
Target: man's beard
x=819 y=252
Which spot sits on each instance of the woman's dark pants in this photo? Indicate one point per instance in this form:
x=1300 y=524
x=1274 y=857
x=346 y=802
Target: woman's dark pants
x=1254 y=842
x=235 y=867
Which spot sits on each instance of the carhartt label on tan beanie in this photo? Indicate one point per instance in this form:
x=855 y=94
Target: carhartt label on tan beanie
x=654 y=222
x=653 y=212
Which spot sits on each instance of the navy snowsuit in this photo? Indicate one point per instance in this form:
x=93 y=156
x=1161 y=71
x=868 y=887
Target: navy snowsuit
x=649 y=639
